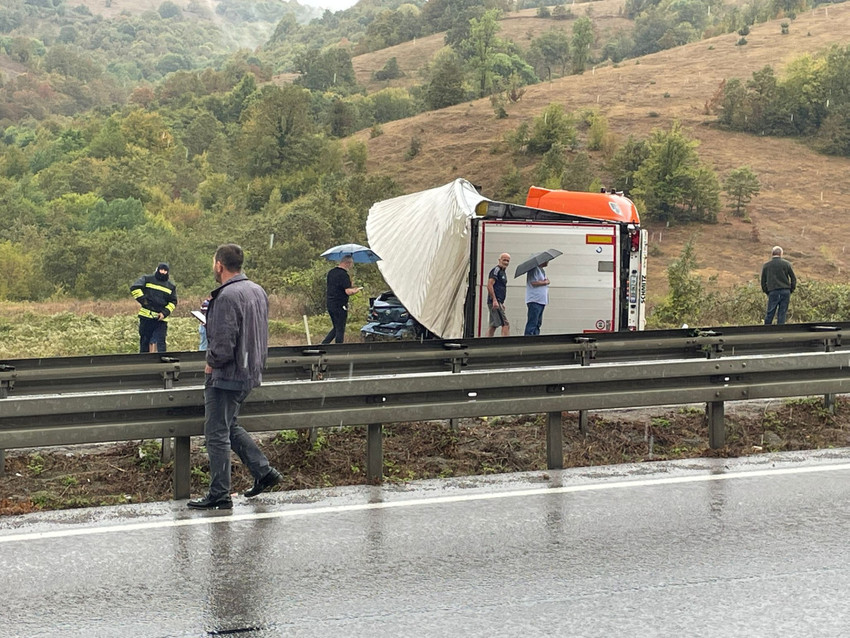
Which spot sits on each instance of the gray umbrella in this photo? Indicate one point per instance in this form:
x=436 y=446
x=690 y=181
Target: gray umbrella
x=535 y=260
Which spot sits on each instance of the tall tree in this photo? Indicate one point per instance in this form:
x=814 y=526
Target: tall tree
x=686 y=296
x=548 y=51
x=667 y=178
x=741 y=185
x=480 y=47
x=277 y=130
x=328 y=70
x=582 y=40
x=445 y=84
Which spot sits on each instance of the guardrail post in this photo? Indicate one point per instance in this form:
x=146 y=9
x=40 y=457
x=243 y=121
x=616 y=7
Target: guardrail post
x=715 y=412
x=317 y=372
x=375 y=452
x=554 y=442
x=587 y=354
x=168 y=378
x=182 y=467
x=829 y=345
x=4 y=392
x=456 y=363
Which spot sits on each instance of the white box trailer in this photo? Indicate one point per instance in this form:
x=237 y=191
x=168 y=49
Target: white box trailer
x=438 y=246
x=588 y=291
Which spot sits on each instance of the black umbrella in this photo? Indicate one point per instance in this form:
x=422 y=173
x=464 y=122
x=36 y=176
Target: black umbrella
x=535 y=260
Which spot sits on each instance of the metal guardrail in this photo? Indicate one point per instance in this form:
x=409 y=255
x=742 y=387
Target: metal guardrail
x=338 y=385
x=142 y=371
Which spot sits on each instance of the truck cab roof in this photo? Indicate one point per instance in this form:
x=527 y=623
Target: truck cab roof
x=605 y=205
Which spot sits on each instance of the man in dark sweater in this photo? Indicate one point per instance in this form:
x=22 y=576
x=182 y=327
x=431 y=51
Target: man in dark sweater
x=778 y=282
x=339 y=290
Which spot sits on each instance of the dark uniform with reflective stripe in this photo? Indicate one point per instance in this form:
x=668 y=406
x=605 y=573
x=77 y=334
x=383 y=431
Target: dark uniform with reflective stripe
x=157 y=296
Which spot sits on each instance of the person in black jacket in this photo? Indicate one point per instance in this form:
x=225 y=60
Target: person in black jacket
x=158 y=298
x=339 y=290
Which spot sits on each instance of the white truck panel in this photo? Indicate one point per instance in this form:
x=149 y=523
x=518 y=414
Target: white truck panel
x=584 y=291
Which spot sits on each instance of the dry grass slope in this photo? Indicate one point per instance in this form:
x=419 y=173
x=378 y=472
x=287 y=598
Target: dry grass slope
x=803 y=203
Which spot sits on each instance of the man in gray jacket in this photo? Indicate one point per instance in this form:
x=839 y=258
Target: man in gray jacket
x=777 y=282
x=238 y=336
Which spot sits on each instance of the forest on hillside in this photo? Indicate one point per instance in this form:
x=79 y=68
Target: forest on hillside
x=128 y=141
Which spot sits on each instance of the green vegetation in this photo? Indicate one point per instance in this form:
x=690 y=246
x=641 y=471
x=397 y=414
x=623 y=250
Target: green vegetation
x=150 y=454
x=135 y=138
x=672 y=184
x=812 y=100
x=698 y=302
x=741 y=185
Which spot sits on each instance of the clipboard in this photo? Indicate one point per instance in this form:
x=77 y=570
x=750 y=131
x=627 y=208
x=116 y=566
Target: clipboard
x=200 y=316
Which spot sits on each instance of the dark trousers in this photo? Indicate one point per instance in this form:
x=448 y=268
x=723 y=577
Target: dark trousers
x=338 y=317
x=222 y=434
x=777 y=303
x=152 y=331
x=535 y=318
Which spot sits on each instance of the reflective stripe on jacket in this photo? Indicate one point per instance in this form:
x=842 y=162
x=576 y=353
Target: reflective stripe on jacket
x=155 y=296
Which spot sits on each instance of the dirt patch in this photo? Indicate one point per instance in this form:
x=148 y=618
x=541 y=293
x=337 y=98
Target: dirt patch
x=132 y=472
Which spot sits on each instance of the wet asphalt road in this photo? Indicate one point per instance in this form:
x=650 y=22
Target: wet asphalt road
x=698 y=548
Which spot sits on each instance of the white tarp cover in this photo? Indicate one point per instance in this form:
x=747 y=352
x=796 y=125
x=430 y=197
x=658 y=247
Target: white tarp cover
x=423 y=240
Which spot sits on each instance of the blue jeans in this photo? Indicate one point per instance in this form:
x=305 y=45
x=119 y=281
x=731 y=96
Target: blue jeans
x=222 y=434
x=535 y=318
x=777 y=303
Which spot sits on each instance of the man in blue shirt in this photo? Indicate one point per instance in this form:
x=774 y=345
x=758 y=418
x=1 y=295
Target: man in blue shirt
x=536 y=298
x=497 y=288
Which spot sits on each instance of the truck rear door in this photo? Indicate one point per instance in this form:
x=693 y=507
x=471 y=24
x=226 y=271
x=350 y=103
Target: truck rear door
x=585 y=289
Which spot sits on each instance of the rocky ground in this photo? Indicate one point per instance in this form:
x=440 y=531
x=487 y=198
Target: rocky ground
x=133 y=471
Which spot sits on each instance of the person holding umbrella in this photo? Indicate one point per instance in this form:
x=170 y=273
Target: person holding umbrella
x=339 y=290
x=536 y=298
x=536 y=287
x=340 y=287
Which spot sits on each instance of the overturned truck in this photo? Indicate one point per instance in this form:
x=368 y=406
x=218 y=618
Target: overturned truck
x=438 y=246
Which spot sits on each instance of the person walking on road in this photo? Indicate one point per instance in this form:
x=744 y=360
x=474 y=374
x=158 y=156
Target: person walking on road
x=339 y=290
x=497 y=288
x=237 y=334
x=778 y=282
x=536 y=298
x=158 y=298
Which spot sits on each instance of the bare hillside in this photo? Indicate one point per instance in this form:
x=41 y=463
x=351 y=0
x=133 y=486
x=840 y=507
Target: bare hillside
x=803 y=203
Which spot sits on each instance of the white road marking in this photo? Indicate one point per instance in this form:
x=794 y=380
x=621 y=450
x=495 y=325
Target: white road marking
x=437 y=500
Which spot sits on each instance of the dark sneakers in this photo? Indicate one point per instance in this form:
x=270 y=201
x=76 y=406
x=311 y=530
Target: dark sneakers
x=272 y=478
x=208 y=503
